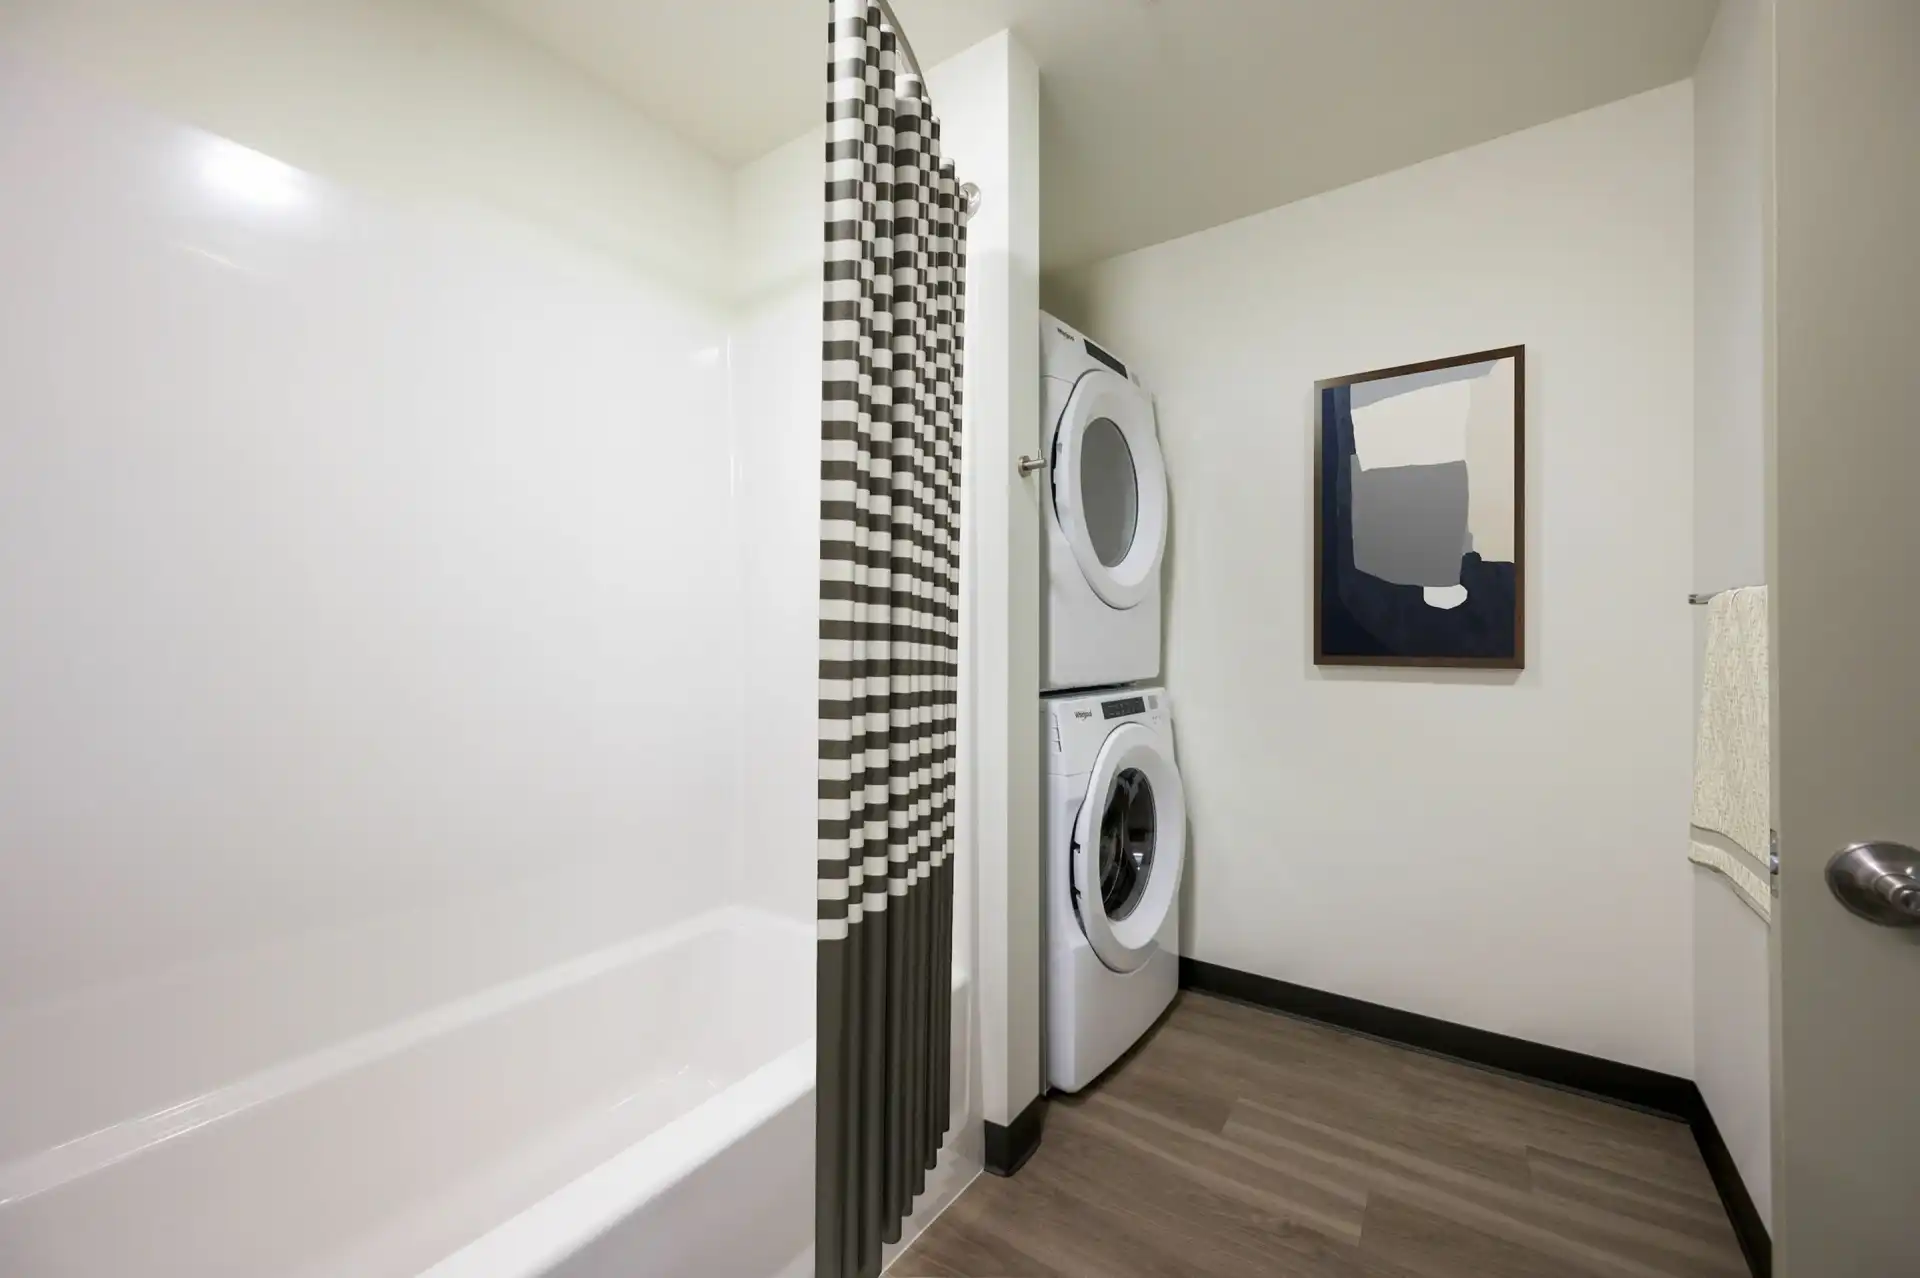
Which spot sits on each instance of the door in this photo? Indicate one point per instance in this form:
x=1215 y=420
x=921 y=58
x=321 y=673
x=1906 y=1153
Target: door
x=1110 y=487
x=1128 y=845
x=1845 y=516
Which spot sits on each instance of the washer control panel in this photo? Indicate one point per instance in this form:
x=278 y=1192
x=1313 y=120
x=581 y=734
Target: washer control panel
x=1077 y=724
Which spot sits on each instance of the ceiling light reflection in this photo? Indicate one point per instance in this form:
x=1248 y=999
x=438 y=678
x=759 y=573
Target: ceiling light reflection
x=246 y=176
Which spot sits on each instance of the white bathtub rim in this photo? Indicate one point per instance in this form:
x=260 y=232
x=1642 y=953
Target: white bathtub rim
x=558 y=1226
x=61 y=1164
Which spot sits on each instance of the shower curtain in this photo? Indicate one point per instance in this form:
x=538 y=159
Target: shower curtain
x=889 y=642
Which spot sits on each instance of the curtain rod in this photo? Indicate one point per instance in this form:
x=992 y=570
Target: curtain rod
x=1708 y=597
x=900 y=39
x=969 y=193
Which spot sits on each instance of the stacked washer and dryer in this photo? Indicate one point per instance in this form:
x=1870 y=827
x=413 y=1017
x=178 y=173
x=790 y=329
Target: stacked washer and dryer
x=1116 y=815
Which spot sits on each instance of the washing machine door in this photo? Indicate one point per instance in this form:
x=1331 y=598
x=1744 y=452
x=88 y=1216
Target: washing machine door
x=1129 y=844
x=1110 y=487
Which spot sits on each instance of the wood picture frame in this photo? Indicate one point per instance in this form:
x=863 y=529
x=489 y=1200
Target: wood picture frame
x=1383 y=514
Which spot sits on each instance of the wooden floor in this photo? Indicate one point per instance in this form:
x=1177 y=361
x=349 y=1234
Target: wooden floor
x=1240 y=1143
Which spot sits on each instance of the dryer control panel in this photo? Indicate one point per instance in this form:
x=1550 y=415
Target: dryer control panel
x=1066 y=353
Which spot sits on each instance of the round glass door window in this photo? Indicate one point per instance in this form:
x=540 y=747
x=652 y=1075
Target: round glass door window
x=1126 y=844
x=1109 y=491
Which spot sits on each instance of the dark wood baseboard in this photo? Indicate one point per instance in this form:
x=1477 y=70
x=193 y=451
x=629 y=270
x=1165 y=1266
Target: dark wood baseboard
x=1009 y=1147
x=1630 y=1085
x=1755 y=1240
x=1643 y=1089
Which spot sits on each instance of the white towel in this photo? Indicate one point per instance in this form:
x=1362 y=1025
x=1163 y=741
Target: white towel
x=1731 y=757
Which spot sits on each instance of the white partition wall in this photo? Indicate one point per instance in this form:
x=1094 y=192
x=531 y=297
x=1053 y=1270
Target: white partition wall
x=1733 y=158
x=989 y=99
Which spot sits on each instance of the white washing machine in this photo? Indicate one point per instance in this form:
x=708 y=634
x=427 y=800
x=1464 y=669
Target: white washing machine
x=1116 y=841
x=1106 y=516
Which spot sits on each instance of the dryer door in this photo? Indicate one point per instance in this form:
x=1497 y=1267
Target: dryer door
x=1110 y=487
x=1129 y=844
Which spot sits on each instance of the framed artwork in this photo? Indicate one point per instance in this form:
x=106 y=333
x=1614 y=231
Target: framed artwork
x=1420 y=513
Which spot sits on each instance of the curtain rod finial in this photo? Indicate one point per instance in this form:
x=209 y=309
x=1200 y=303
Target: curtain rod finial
x=970 y=197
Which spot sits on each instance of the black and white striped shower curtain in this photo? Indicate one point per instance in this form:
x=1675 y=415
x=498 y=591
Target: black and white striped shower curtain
x=889 y=642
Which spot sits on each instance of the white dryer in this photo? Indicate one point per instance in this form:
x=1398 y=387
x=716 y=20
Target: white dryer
x=1116 y=841
x=1106 y=520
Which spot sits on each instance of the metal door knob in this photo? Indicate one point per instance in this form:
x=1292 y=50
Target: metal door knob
x=1878 y=881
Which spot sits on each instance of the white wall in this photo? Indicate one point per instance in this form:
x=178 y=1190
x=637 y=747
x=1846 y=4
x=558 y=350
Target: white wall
x=415 y=99
x=988 y=98
x=1732 y=147
x=368 y=559
x=774 y=380
x=1496 y=850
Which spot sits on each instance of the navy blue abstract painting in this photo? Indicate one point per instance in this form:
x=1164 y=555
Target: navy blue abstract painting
x=1420 y=514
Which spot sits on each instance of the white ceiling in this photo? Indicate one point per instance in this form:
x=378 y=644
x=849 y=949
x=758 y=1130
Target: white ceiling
x=1159 y=117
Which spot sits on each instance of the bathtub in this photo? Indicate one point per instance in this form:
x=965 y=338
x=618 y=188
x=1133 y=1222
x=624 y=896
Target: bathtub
x=643 y=1109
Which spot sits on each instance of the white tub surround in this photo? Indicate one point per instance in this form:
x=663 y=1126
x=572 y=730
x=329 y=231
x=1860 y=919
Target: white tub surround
x=561 y=1101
